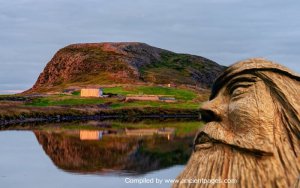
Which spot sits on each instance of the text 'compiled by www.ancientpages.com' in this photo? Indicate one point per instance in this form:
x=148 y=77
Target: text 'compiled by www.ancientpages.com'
x=182 y=181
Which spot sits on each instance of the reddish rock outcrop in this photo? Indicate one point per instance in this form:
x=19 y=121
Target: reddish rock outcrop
x=126 y=62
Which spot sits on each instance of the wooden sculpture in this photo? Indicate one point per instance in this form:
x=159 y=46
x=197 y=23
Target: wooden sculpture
x=252 y=131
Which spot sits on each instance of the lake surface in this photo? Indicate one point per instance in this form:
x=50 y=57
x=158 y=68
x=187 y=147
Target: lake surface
x=55 y=157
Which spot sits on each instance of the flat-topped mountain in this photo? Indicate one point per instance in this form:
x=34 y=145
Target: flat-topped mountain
x=123 y=63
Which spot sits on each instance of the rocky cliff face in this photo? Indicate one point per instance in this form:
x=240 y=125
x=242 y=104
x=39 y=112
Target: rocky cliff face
x=118 y=63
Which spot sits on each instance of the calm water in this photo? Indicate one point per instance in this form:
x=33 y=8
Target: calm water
x=91 y=158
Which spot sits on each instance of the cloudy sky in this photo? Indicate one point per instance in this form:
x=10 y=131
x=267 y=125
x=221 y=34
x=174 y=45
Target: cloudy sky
x=225 y=31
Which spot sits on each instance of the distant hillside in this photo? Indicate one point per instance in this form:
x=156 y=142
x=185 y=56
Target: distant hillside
x=123 y=63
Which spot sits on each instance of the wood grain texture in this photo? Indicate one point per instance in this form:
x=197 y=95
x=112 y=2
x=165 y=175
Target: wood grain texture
x=252 y=131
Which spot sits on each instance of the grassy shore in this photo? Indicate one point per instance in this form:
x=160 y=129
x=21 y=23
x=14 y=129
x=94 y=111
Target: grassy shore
x=185 y=98
x=64 y=107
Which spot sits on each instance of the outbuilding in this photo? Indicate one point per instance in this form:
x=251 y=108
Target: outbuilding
x=91 y=92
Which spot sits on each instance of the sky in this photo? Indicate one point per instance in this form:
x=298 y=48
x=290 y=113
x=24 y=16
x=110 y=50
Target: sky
x=225 y=31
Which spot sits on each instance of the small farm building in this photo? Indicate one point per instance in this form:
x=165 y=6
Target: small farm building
x=97 y=92
x=150 y=98
x=142 y=98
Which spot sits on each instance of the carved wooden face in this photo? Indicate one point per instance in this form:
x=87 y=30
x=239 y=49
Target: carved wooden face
x=241 y=115
x=252 y=129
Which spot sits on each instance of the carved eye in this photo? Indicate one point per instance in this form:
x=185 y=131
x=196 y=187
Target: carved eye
x=239 y=89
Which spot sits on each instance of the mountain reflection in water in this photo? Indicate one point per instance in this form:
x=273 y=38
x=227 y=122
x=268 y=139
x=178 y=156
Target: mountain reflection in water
x=134 y=151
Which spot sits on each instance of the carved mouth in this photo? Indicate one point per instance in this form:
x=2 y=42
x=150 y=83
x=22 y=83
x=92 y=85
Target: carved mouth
x=204 y=141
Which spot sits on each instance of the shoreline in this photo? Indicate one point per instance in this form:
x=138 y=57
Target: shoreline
x=132 y=114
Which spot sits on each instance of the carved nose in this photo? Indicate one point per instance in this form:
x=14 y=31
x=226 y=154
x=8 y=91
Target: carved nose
x=209 y=113
x=209 y=116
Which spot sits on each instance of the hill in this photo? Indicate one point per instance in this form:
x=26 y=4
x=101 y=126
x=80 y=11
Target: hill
x=81 y=65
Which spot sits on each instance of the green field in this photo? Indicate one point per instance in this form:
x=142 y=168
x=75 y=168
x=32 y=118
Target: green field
x=58 y=100
x=180 y=94
x=185 y=99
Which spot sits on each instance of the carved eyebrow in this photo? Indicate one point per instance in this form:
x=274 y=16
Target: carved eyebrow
x=241 y=80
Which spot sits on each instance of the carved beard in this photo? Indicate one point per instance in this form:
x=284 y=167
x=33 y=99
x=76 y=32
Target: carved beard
x=250 y=169
x=279 y=166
